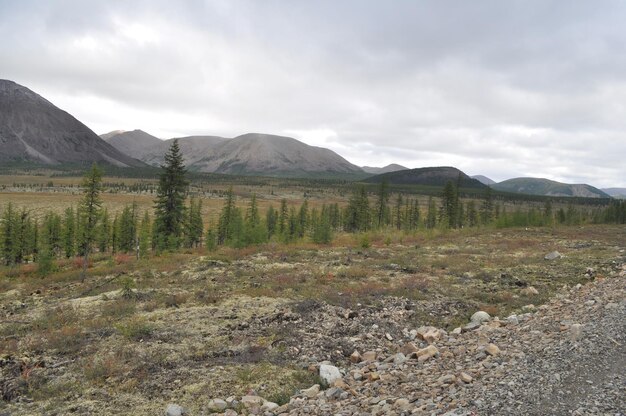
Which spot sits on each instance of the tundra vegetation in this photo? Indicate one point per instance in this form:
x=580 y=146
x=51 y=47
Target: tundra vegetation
x=136 y=292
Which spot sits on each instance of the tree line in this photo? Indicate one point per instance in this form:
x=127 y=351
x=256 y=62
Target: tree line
x=177 y=220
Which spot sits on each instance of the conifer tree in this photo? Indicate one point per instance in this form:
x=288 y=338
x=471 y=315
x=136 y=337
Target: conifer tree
x=90 y=207
x=271 y=221
x=69 y=232
x=283 y=216
x=227 y=219
x=382 y=200
x=193 y=224
x=357 y=214
x=398 y=212
x=431 y=216
x=169 y=203
x=103 y=238
x=144 y=235
x=486 y=211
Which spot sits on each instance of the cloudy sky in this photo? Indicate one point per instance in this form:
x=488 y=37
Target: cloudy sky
x=500 y=88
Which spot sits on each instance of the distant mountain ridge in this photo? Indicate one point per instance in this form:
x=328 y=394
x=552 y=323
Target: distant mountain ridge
x=483 y=179
x=32 y=129
x=251 y=153
x=541 y=186
x=619 y=193
x=430 y=176
x=394 y=167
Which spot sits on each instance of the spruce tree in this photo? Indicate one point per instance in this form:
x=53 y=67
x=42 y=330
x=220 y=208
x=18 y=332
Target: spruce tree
x=227 y=219
x=69 y=232
x=144 y=235
x=381 y=204
x=170 y=200
x=90 y=211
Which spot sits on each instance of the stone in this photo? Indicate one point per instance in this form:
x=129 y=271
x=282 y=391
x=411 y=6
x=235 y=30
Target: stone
x=492 y=349
x=553 y=255
x=530 y=291
x=252 y=401
x=426 y=353
x=457 y=331
x=575 y=332
x=480 y=317
x=432 y=335
x=447 y=379
x=369 y=356
x=402 y=404
x=373 y=376
x=388 y=336
x=312 y=391
x=512 y=319
x=399 y=358
x=329 y=373
x=465 y=378
x=471 y=326
x=333 y=393
x=355 y=357
x=217 y=405
x=175 y=410
x=409 y=348
x=269 y=406
x=611 y=305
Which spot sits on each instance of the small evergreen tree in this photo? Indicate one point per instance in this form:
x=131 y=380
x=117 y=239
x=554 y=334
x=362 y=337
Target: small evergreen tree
x=90 y=211
x=69 y=232
x=169 y=203
x=144 y=235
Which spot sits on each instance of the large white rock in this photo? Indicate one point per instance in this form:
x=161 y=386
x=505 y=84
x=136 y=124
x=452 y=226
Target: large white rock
x=175 y=410
x=553 y=255
x=329 y=373
x=480 y=317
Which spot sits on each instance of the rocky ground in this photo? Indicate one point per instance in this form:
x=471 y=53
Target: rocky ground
x=387 y=330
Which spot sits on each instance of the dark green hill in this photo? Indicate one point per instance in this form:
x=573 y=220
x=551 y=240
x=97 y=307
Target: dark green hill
x=433 y=176
x=541 y=186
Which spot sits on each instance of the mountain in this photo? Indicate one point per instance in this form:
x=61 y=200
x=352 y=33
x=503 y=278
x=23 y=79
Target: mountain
x=136 y=143
x=195 y=148
x=483 y=179
x=256 y=153
x=541 y=186
x=107 y=136
x=32 y=129
x=251 y=153
x=434 y=176
x=616 y=192
x=394 y=167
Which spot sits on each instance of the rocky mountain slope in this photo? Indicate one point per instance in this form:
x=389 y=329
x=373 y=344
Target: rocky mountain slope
x=251 y=153
x=540 y=186
x=269 y=154
x=394 y=167
x=483 y=179
x=432 y=176
x=33 y=130
x=616 y=192
x=136 y=143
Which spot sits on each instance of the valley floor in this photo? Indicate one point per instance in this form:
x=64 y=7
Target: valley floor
x=183 y=329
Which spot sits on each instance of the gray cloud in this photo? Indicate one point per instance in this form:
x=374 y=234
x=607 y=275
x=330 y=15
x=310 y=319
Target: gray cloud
x=516 y=88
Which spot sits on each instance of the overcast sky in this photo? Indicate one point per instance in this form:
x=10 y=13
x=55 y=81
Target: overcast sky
x=500 y=88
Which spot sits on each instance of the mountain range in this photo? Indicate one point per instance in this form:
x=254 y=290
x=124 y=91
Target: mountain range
x=251 y=153
x=32 y=129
